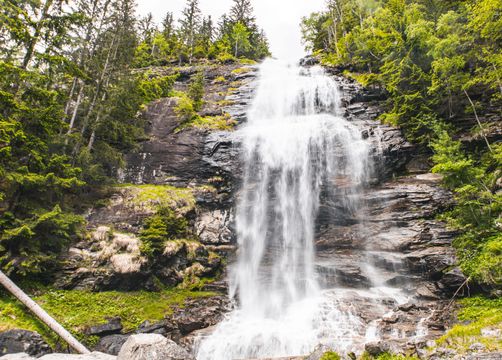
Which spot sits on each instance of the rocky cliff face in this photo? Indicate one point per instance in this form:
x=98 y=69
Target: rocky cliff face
x=196 y=171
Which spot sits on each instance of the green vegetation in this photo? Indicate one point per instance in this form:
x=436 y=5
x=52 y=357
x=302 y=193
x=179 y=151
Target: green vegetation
x=88 y=309
x=478 y=207
x=330 y=355
x=197 y=37
x=429 y=56
x=221 y=122
x=476 y=314
x=439 y=63
x=162 y=195
x=164 y=226
x=71 y=95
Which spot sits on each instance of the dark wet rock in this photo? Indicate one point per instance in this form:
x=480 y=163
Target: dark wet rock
x=406 y=307
x=200 y=313
x=453 y=280
x=113 y=326
x=111 y=344
x=191 y=155
x=310 y=60
x=377 y=348
x=23 y=341
x=163 y=327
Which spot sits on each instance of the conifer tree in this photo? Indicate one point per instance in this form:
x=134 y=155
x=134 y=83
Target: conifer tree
x=189 y=26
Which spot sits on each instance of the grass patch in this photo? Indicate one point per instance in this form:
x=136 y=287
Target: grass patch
x=476 y=314
x=162 y=195
x=77 y=310
x=245 y=61
x=219 y=80
x=221 y=122
x=242 y=70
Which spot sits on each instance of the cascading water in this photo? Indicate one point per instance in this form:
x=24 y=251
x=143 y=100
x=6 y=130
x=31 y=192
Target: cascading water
x=296 y=144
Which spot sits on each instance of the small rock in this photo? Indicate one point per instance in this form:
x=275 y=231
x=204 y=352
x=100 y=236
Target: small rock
x=152 y=347
x=427 y=292
x=490 y=332
x=485 y=356
x=318 y=353
x=477 y=347
x=376 y=348
x=23 y=341
x=111 y=344
x=406 y=307
x=113 y=326
x=391 y=318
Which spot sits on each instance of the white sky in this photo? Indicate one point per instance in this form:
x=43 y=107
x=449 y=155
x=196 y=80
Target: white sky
x=279 y=18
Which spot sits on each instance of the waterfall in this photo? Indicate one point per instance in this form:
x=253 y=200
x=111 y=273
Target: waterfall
x=296 y=145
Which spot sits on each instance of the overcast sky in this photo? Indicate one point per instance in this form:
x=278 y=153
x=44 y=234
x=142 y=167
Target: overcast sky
x=279 y=18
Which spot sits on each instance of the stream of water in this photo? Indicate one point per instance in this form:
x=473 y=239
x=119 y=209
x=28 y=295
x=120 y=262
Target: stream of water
x=296 y=144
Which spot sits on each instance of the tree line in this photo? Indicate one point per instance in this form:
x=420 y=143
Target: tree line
x=196 y=36
x=71 y=97
x=439 y=63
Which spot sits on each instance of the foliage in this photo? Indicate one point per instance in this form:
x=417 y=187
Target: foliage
x=69 y=109
x=426 y=54
x=475 y=314
x=431 y=59
x=198 y=37
x=88 y=309
x=196 y=90
x=478 y=207
x=220 y=122
x=330 y=355
x=165 y=225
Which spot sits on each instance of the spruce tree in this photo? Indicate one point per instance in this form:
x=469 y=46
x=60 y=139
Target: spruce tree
x=189 y=26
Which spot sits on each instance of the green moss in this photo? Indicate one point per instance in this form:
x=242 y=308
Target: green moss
x=330 y=355
x=223 y=103
x=219 y=80
x=365 y=79
x=163 y=195
x=242 y=70
x=476 y=314
x=247 y=61
x=221 y=122
x=77 y=310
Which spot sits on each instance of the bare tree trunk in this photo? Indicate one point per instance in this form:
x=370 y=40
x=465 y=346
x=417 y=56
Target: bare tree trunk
x=36 y=35
x=479 y=122
x=41 y=314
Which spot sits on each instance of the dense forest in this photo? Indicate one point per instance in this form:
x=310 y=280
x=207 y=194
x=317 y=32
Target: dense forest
x=439 y=64
x=74 y=79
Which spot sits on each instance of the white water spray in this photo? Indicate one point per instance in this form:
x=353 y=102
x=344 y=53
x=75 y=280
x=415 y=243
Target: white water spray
x=295 y=144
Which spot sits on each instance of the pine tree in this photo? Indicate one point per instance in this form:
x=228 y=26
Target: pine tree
x=242 y=11
x=190 y=23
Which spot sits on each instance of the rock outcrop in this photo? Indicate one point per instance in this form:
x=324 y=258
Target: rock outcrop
x=22 y=341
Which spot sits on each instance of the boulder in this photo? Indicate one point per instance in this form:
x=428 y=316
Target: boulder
x=18 y=356
x=152 y=347
x=23 y=341
x=91 y=356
